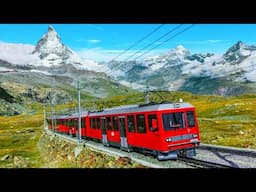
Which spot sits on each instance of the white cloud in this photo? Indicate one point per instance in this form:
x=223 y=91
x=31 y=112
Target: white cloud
x=99 y=54
x=94 y=41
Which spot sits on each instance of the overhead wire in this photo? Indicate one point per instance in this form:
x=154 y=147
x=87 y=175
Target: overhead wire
x=173 y=36
x=148 y=45
x=178 y=33
x=134 y=44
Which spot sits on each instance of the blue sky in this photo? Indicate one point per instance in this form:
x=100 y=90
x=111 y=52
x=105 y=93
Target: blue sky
x=105 y=41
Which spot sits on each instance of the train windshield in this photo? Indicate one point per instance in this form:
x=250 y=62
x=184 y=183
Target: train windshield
x=173 y=121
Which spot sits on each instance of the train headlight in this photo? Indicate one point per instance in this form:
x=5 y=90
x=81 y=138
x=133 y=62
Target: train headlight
x=195 y=135
x=168 y=139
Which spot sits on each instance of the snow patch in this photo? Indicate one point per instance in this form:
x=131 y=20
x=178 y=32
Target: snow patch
x=133 y=85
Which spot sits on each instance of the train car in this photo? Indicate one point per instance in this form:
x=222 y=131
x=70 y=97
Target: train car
x=165 y=130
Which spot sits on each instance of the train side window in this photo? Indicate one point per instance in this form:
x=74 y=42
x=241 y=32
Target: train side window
x=152 y=123
x=92 y=123
x=191 y=119
x=98 y=123
x=109 y=124
x=74 y=122
x=83 y=123
x=131 y=124
x=115 y=123
x=141 y=124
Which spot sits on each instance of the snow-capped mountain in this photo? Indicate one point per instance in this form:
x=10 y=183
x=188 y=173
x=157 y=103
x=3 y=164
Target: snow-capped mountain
x=48 y=52
x=178 y=69
x=51 y=59
x=51 y=52
x=50 y=44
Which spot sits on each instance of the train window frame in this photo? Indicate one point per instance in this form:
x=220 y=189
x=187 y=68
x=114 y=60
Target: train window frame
x=131 y=122
x=176 y=125
x=138 y=121
x=150 y=123
x=188 y=120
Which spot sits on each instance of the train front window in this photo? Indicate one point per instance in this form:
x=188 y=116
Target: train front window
x=173 y=121
x=191 y=119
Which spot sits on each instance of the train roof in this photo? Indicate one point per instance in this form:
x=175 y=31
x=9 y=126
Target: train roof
x=141 y=108
x=128 y=109
x=69 y=116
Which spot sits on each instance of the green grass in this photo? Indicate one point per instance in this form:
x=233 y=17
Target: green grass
x=229 y=121
x=18 y=137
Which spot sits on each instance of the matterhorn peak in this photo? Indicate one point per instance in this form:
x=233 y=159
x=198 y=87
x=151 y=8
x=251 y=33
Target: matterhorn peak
x=52 y=34
x=50 y=44
x=50 y=28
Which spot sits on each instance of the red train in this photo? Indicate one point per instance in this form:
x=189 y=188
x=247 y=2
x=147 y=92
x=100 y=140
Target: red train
x=165 y=130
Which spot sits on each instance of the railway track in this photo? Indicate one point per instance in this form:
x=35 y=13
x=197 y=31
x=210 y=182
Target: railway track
x=232 y=150
x=202 y=164
x=150 y=161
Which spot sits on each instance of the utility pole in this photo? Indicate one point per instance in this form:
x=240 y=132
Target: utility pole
x=79 y=113
x=52 y=111
x=44 y=117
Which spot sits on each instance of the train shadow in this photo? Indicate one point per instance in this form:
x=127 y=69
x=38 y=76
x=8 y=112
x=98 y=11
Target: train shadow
x=224 y=157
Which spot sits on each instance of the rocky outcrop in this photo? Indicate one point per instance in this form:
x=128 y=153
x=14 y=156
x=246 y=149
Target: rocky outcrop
x=59 y=153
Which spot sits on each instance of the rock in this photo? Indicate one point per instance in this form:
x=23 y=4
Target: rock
x=5 y=157
x=241 y=132
x=51 y=138
x=124 y=160
x=30 y=130
x=69 y=157
x=77 y=150
x=218 y=137
x=20 y=161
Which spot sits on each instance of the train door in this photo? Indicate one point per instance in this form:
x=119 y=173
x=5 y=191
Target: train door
x=123 y=137
x=104 y=131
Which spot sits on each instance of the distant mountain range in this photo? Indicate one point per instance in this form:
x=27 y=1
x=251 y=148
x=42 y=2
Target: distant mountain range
x=232 y=73
x=53 y=63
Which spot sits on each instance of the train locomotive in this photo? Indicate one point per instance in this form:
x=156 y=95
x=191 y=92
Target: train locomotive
x=166 y=130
